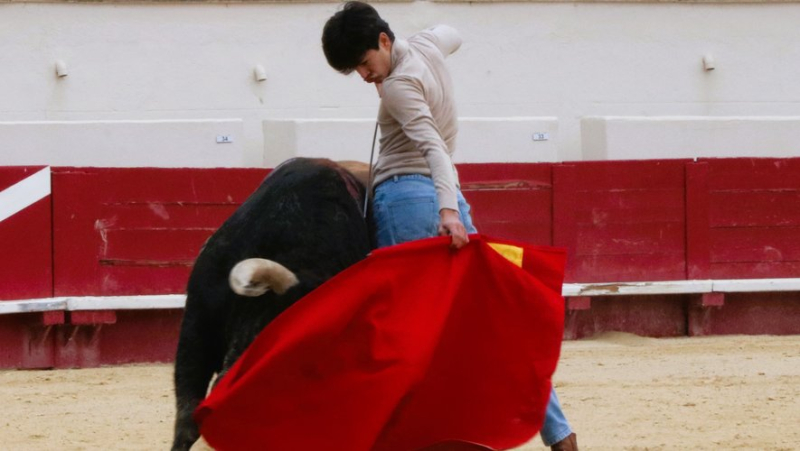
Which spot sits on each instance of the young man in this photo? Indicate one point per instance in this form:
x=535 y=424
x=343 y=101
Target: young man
x=416 y=194
x=416 y=184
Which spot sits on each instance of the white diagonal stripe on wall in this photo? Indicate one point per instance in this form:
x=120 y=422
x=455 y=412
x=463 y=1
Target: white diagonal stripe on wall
x=25 y=193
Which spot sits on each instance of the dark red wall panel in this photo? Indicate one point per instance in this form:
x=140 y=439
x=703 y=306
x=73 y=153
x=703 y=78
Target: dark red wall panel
x=749 y=174
x=748 y=313
x=621 y=220
x=626 y=267
x=26 y=245
x=141 y=335
x=25 y=342
x=697 y=231
x=756 y=208
x=121 y=231
x=651 y=316
x=754 y=217
x=511 y=201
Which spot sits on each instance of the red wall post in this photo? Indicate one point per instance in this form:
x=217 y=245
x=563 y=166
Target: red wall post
x=697 y=223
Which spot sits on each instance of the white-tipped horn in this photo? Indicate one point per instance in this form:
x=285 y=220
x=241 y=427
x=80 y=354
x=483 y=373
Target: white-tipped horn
x=255 y=276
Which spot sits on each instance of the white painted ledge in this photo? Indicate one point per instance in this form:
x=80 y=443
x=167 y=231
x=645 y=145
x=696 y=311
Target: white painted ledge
x=680 y=287
x=755 y=286
x=167 y=301
x=32 y=305
x=76 y=303
x=637 y=288
x=178 y=301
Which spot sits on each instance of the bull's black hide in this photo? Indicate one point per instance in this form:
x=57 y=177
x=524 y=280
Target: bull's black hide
x=306 y=216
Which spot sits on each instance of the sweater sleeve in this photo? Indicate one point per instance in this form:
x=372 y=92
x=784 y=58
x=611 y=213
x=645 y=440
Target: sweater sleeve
x=404 y=101
x=446 y=39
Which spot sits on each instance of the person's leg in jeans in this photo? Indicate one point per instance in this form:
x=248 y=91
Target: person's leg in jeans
x=405 y=209
x=556 y=427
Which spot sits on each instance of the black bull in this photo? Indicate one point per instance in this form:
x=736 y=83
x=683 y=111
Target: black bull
x=305 y=217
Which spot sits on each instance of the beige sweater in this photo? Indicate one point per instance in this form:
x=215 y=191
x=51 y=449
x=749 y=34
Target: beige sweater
x=417 y=115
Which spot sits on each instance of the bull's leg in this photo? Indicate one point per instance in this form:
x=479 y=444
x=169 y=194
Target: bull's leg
x=194 y=368
x=186 y=430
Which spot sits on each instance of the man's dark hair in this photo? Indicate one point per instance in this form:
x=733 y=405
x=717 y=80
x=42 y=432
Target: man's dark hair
x=349 y=33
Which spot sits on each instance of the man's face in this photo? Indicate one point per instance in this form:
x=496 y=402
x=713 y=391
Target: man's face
x=377 y=64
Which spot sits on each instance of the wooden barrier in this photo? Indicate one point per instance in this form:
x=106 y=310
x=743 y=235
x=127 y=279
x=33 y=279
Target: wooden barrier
x=109 y=231
x=121 y=231
x=621 y=222
x=510 y=200
x=753 y=218
x=25 y=229
x=652 y=246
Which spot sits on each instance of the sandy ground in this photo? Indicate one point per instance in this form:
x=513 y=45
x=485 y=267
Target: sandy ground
x=620 y=392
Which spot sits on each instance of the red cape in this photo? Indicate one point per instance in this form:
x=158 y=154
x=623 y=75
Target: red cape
x=412 y=346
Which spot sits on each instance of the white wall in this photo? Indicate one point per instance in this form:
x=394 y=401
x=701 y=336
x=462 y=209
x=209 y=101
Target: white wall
x=558 y=62
x=480 y=140
x=188 y=143
x=623 y=138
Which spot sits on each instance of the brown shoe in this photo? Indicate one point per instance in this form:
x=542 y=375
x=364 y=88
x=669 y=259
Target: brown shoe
x=568 y=444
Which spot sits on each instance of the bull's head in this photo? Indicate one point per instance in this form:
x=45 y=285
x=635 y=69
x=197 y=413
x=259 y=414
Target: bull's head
x=255 y=276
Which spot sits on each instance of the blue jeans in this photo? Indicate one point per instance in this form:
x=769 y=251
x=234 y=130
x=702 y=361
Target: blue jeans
x=406 y=208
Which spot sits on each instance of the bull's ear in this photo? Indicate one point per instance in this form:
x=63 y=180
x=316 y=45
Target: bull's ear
x=255 y=276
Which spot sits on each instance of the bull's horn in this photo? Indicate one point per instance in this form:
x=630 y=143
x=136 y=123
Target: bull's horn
x=255 y=276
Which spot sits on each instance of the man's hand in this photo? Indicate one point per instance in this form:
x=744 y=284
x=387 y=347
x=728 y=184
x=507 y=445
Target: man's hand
x=450 y=224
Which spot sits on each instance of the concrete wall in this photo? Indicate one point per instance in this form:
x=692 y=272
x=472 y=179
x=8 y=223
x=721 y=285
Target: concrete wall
x=524 y=68
x=623 y=138
x=126 y=143
x=480 y=140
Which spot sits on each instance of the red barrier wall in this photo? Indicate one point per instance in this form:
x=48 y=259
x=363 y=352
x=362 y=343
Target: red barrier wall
x=753 y=218
x=120 y=231
x=656 y=220
x=513 y=201
x=109 y=231
x=25 y=245
x=133 y=231
x=621 y=222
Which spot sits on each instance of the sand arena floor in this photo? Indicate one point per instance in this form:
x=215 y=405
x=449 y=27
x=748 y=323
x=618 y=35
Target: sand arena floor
x=620 y=391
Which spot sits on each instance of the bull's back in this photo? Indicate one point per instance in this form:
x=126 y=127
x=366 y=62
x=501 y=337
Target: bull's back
x=302 y=215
